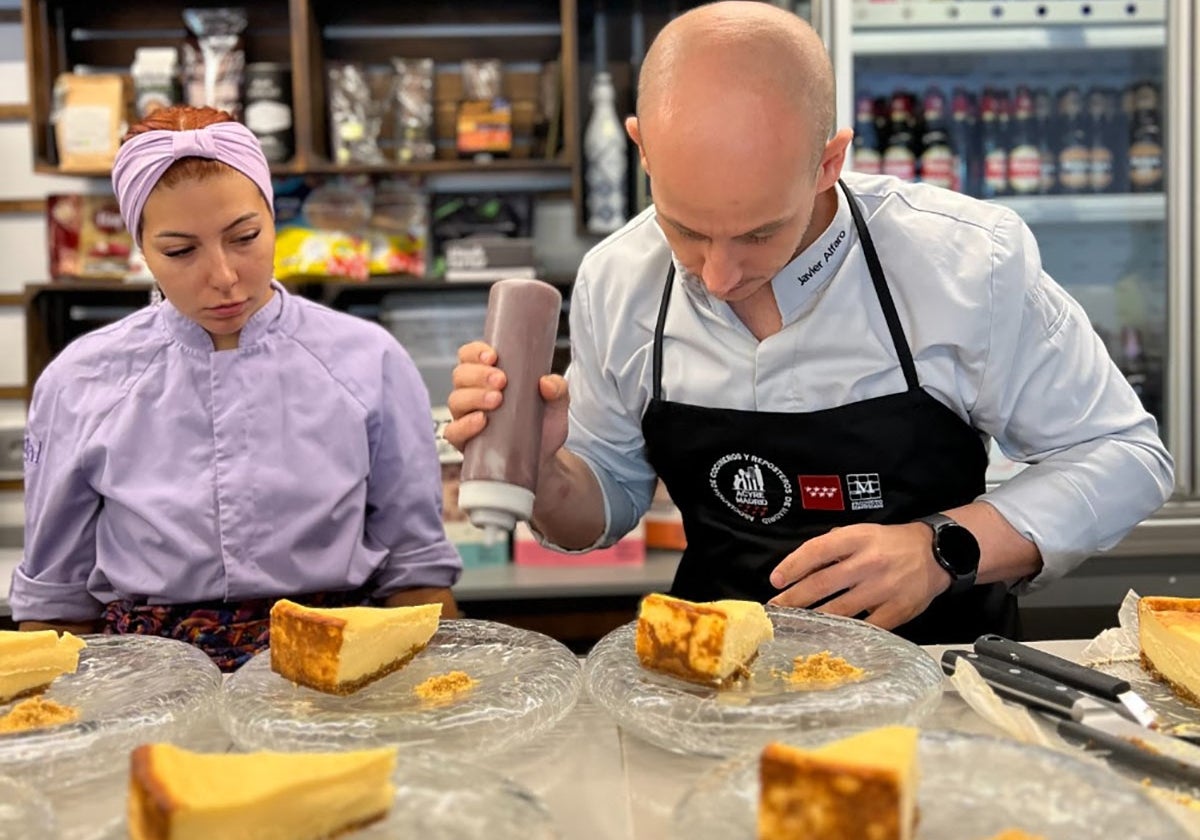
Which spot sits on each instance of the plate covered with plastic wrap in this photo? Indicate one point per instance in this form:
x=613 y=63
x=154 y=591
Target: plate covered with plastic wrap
x=441 y=799
x=972 y=787
x=127 y=690
x=24 y=812
x=512 y=685
x=900 y=683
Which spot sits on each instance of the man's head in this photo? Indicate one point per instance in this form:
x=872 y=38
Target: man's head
x=735 y=128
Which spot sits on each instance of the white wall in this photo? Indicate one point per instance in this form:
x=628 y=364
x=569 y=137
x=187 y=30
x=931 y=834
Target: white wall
x=22 y=236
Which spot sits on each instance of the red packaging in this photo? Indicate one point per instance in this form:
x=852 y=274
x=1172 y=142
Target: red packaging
x=87 y=238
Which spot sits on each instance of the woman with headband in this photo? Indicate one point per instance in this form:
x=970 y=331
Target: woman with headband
x=231 y=445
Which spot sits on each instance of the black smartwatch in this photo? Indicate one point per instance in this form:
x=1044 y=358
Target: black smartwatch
x=955 y=549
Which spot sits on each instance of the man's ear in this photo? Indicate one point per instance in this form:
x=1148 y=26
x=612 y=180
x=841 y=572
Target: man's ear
x=833 y=158
x=635 y=134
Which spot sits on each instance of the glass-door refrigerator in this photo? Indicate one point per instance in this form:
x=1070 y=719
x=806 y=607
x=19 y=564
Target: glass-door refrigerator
x=1078 y=115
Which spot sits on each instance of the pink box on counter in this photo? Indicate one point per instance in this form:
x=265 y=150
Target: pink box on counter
x=630 y=550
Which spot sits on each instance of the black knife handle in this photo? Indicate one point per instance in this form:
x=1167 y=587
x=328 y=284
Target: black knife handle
x=1054 y=667
x=1018 y=684
x=1124 y=752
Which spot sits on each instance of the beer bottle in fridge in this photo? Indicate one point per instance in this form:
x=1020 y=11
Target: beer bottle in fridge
x=1074 y=153
x=882 y=113
x=994 y=147
x=1099 y=127
x=1024 y=159
x=867 y=158
x=962 y=144
x=937 y=156
x=899 y=156
x=1043 y=118
x=1145 y=146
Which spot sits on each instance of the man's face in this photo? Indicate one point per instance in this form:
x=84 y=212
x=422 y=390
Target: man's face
x=735 y=258
x=733 y=214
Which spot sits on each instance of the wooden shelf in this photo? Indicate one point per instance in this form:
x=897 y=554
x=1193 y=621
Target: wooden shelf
x=309 y=35
x=43 y=167
x=439 y=167
x=326 y=167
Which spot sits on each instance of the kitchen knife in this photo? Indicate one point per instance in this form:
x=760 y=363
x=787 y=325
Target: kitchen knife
x=1069 y=673
x=1083 y=717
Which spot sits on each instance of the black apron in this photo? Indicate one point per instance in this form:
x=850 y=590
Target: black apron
x=752 y=486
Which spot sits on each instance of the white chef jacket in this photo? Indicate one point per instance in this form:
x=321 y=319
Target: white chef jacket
x=994 y=338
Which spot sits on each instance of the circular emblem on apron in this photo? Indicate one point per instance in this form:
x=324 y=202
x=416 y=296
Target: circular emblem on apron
x=752 y=487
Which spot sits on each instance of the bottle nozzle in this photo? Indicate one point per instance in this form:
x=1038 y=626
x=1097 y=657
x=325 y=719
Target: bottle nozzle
x=492 y=534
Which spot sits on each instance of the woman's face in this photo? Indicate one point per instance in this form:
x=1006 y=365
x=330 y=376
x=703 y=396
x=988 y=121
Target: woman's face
x=210 y=244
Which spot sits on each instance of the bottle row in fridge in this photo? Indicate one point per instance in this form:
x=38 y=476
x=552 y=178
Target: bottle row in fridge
x=998 y=141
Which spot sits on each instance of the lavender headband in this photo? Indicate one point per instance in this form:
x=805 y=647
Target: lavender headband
x=144 y=158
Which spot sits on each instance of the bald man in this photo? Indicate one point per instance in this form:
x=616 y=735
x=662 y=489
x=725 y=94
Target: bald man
x=814 y=366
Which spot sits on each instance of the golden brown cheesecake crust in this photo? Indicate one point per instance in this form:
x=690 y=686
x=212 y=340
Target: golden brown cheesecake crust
x=1155 y=604
x=823 y=798
x=1176 y=688
x=29 y=692
x=305 y=647
x=671 y=655
x=150 y=805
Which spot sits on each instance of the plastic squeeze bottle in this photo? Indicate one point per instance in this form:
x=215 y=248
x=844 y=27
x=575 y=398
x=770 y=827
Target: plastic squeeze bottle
x=500 y=465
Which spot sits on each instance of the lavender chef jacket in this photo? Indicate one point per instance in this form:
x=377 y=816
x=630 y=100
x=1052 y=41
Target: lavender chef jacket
x=159 y=469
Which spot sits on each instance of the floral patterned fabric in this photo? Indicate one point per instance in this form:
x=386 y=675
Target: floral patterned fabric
x=230 y=633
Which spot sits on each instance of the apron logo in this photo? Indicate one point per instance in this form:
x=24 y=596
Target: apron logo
x=865 y=491
x=752 y=487
x=821 y=492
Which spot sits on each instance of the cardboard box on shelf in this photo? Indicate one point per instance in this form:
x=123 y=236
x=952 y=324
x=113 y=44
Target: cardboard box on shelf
x=630 y=550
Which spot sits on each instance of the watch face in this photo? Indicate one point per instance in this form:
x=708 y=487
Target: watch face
x=959 y=549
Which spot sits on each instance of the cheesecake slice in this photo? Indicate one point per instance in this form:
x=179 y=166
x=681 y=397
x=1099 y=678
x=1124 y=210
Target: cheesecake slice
x=29 y=662
x=859 y=788
x=339 y=651
x=175 y=794
x=711 y=643
x=1169 y=638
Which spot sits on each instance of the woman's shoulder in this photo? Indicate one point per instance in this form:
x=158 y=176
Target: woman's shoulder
x=322 y=326
x=350 y=348
x=111 y=354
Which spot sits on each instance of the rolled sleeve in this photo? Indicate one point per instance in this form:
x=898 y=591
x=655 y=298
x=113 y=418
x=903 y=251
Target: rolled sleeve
x=404 y=489
x=32 y=599
x=51 y=582
x=1052 y=397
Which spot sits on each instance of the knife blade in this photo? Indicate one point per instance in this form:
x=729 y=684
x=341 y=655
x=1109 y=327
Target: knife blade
x=1069 y=673
x=1097 y=722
